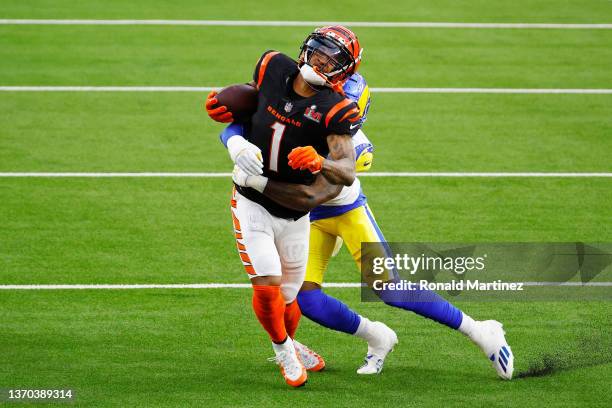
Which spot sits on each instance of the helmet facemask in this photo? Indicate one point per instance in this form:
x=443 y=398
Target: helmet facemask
x=328 y=58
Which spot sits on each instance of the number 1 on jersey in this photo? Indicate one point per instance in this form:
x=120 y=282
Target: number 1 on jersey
x=277 y=136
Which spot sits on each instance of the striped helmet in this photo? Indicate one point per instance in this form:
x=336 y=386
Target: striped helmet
x=337 y=48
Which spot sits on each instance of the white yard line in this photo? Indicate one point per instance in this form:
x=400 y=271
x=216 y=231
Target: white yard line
x=264 y=23
x=156 y=286
x=238 y=286
x=115 y=175
x=485 y=174
x=373 y=174
x=559 y=91
x=108 y=88
x=592 y=284
x=542 y=91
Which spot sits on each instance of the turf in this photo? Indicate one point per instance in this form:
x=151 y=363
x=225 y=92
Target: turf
x=538 y=11
x=179 y=230
x=136 y=55
x=204 y=347
x=171 y=132
x=161 y=348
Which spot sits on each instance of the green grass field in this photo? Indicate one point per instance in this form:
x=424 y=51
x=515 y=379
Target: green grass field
x=203 y=347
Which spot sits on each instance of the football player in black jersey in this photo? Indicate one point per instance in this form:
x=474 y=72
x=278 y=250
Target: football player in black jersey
x=302 y=117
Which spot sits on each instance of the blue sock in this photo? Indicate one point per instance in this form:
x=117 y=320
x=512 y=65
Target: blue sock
x=328 y=311
x=425 y=303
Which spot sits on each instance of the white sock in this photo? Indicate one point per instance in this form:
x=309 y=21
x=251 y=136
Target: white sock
x=468 y=326
x=286 y=346
x=365 y=330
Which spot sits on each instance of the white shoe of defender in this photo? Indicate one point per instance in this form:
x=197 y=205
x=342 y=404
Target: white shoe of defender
x=311 y=360
x=386 y=339
x=491 y=340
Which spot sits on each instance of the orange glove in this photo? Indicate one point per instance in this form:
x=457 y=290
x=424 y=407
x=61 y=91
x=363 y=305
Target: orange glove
x=305 y=158
x=217 y=113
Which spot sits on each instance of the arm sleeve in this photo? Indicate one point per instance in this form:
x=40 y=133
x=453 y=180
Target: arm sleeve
x=360 y=139
x=234 y=129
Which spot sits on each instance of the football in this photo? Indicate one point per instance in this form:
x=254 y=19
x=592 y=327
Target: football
x=240 y=99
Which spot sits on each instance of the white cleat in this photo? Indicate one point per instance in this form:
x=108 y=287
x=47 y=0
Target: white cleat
x=490 y=338
x=291 y=367
x=311 y=360
x=378 y=349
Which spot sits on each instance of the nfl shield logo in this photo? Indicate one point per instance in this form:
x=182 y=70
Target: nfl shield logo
x=288 y=107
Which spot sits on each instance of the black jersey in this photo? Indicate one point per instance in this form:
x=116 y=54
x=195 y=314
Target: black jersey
x=285 y=120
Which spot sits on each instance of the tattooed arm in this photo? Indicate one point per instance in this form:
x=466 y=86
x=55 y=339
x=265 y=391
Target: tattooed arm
x=340 y=168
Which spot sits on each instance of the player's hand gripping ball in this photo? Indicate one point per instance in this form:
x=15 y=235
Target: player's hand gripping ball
x=305 y=158
x=234 y=103
x=216 y=111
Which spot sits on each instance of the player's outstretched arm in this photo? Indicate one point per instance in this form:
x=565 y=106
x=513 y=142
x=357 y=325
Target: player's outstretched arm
x=298 y=197
x=340 y=167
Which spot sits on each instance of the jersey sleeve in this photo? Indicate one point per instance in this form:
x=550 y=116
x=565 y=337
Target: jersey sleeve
x=343 y=118
x=233 y=129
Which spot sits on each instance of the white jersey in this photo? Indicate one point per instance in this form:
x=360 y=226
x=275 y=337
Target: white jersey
x=347 y=195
